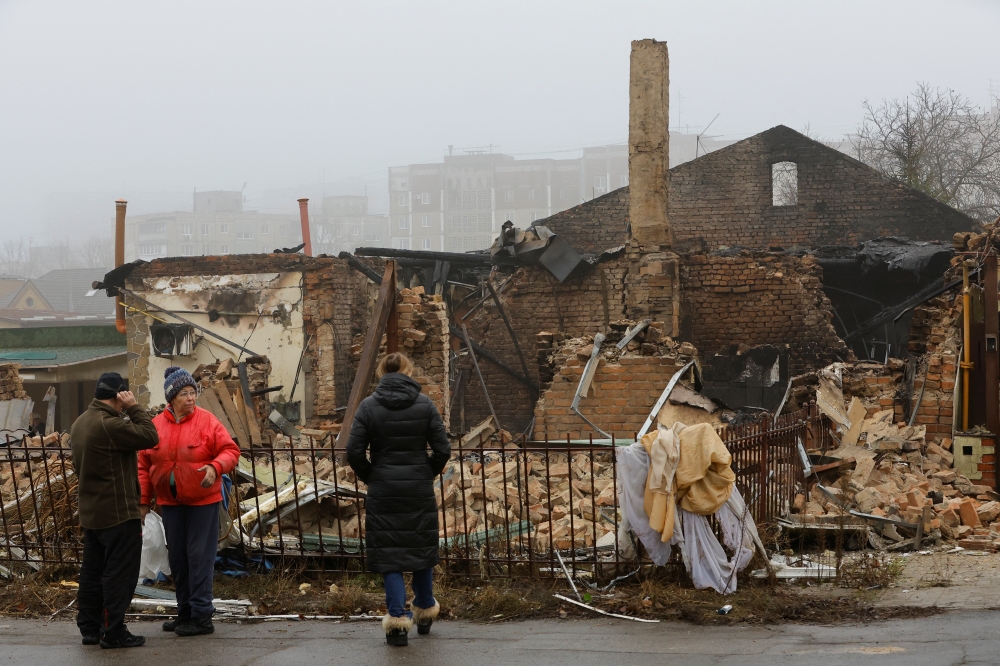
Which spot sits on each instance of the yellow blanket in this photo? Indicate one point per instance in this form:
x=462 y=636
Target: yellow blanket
x=690 y=466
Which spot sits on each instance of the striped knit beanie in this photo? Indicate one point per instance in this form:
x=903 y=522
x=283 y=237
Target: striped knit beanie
x=176 y=378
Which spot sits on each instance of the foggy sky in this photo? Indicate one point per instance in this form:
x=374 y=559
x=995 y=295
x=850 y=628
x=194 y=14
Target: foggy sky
x=101 y=99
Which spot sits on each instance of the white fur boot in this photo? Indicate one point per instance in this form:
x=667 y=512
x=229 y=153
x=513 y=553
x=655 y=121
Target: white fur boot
x=424 y=617
x=397 y=629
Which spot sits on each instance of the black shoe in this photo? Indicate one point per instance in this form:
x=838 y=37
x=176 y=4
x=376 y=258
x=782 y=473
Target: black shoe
x=195 y=627
x=91 y=639
x=397 y=638
x=424 y=627
x=122 y=640
x=174 y=622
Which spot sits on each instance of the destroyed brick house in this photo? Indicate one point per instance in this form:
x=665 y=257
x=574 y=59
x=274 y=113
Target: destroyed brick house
x=773 y=276
x=775 y=242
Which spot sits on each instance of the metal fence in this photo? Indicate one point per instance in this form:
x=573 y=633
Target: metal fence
x=523 y=509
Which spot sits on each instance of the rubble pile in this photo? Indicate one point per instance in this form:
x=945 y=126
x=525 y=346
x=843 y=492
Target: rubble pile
x=11 y=387
x=557 y=350
x=894 y=473
x=484 y=498
x=621 y=390
x=222 y=392
x=573 y=508
x=37 y=499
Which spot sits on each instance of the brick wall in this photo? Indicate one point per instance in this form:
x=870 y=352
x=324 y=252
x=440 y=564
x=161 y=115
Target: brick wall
x=758 y=300
x=337 y=307
x=724 y=199
x=534 y=301
x=624 y=389
x=594 y=226
x=724 y=300
x=423 y=336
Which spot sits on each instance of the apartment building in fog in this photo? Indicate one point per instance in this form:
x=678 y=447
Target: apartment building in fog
x=459 y=204
x=219 y=225
x=344 y=223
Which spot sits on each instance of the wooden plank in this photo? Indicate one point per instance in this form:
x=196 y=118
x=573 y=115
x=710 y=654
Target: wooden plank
x=846 y=462
x=369 y=353
x=510 y=329
x=856 y=412
x=210 y=401
x=249 y=417
x=253 y=426
x=392 y=328
x=229 y=407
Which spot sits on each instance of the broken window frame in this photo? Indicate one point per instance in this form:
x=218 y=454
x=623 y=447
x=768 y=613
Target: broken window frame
x=784 y=184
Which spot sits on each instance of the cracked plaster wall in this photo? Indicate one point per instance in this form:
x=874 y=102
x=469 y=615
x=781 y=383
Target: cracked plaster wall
x=269 y=323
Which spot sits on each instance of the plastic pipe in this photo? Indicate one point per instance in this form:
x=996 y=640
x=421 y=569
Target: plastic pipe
x=304 y=219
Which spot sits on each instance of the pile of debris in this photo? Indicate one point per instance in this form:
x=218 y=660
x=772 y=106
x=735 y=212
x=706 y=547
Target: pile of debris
x=15 y=405
x=888 y=476
x=38 y=500
x=560 y=500
x=236 y=393
x=11 y=387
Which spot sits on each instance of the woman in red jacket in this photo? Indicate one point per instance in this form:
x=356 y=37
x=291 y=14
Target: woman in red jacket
x=183 y=473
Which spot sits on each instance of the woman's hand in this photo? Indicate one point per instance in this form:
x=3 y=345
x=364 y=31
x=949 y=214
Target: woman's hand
x=143 y=510
x=209 y=479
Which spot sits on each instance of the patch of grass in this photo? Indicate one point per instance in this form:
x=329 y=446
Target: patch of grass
x=665 y=595
x=870 y=570
x=499 y=600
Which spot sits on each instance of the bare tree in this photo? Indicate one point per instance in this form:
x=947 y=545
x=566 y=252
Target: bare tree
x=59 y=254
x=98 y=252
x=939 y=143
x=13 y=257
x=324 y=238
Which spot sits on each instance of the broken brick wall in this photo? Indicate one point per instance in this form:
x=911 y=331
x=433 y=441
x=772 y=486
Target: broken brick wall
x=935 y=332
x=423 y=336
x=534 y=301
x=595 y=226
x=337 y=306
x=725 y=199
x=625 y=387
x=335 y=303
x=762 y=299
x=724 y=300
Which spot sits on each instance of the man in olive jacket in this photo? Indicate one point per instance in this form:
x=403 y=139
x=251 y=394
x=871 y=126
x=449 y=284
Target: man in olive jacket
x=106 y=439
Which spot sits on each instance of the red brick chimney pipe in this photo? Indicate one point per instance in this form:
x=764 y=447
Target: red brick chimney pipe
x=119 y=260
x=304 y=217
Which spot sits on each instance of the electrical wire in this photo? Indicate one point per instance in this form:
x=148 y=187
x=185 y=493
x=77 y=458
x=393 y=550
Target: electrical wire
x=252 y=330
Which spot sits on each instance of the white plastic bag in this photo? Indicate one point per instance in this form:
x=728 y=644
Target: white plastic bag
x=154 y=548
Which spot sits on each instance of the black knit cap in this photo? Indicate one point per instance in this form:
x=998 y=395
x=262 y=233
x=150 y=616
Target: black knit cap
x=109 y=385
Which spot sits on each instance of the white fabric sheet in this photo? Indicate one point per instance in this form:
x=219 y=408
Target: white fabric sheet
x=704 y=558
x=633 y=469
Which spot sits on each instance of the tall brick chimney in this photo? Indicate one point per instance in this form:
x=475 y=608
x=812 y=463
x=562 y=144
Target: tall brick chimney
x=649 y=143
x=653 y=279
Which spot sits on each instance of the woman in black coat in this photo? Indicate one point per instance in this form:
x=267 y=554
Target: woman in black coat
x=388 y=451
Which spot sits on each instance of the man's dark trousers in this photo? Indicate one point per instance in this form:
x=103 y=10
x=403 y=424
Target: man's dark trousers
x=108 y=576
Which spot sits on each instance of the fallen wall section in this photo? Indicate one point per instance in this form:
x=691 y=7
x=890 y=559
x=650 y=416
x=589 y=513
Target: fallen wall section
x=624 y=389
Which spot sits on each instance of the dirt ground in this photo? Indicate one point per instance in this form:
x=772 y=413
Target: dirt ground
x=663 y=597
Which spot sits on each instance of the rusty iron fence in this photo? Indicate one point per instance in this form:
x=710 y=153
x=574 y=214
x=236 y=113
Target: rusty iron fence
x=524 y=509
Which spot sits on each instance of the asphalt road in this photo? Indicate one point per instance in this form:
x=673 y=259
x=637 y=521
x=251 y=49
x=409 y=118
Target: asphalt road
x=956 y=638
